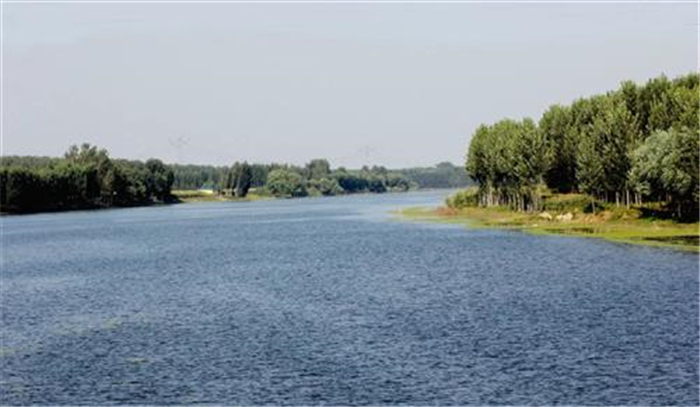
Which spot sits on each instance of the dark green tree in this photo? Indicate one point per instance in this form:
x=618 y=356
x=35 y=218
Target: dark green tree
x=286 y=183
x=243 y=180
x=317 y=169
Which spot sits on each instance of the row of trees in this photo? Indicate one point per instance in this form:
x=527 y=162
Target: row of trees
x=84 y=178
x=239 y=179
x=87 y=177
x=315 y=178
x=442 y=175
x=189 y=177
x=319 y=178
x=635 y=144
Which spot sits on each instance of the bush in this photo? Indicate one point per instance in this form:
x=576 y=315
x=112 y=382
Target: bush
x=286 y=183
x=463 y=199
x=325 y=187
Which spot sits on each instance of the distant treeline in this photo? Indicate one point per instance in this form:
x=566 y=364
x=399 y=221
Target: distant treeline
x=84 y=178
x=315 y=178
x=636 y=144
x=443 y=175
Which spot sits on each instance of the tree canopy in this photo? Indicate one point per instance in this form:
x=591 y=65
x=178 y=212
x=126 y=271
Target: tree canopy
x=86 y=177
x=636 y=143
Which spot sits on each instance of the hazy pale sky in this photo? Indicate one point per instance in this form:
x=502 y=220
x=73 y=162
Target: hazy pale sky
x=393 y=84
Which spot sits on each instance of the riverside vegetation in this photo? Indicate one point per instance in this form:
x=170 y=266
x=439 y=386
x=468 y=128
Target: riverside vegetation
x=569 y=214
x=622 y=166
x=86 y=177
x=316 y=178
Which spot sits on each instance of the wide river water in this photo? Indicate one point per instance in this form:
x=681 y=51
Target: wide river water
x=335 y=301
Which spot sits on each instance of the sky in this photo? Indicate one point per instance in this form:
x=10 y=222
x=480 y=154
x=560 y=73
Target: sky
x=399 y=85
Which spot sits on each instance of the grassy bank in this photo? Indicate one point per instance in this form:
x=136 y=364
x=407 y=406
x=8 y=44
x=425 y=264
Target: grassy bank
x=614 y=224
x=187 y=196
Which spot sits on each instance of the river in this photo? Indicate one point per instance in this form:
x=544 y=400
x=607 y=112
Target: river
x=335 y=301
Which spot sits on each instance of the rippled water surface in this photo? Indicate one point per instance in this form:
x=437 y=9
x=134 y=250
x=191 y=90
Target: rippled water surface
x=332 y=301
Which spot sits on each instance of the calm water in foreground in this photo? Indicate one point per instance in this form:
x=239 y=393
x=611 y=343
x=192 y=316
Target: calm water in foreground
x=333 y=301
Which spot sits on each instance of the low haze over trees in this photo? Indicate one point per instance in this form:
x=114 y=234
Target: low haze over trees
x=638 y=143
x=443 y=175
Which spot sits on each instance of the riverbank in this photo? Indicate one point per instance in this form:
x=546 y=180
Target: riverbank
x=188 y=196
x=624 y=226
x=176 y=197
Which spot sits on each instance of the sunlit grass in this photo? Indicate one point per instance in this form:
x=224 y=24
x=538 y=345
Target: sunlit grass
x=210 y=196
x=615 y=225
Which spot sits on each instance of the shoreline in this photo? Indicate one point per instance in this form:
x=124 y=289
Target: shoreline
x=194 y=196
x=190 y=196
x=638 y=231
x=89 y=208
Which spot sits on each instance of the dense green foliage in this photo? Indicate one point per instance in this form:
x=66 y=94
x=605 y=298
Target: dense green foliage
x=188 y=177
x=665 y=168
x=317 y=169
x=635 y=144
x=317 y=178
x=85 y=178
x=375 y=179
x=238 y=180
x=198 y=176
x=286 y=183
